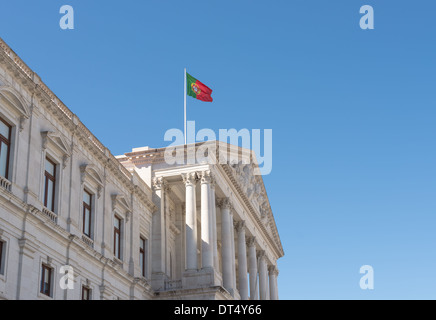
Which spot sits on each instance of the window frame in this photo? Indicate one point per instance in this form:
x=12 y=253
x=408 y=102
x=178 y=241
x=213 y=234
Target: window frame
x=88 y=207
x=117 y=232
x=6 y=141
x=48 y=176
x=88 y=290
x=50 y=275
x=142 y=251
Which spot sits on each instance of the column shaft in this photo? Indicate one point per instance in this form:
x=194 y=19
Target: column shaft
x=206 y=222
x=273 y=273
x=226 y=245
x=214 y=227
x=191 y=222
x=252 y=268
x=263 y=277
x=232 y=239
x=276 y=288
x=158 y=227
x=242 y=261
x=273 y=283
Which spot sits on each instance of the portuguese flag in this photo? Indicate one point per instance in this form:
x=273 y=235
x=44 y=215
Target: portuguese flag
x=197 y=89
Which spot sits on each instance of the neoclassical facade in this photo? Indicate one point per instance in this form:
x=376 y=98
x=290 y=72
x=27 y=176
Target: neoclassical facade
x=214 y=226
x=78 y=223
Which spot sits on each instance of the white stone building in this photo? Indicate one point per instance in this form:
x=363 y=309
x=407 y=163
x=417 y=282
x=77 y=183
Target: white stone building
x=131 y=227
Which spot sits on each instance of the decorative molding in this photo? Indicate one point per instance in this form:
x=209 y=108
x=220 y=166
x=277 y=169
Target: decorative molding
x=13 y=98
x=273 y=270
x=48 y=102
x=261 y=254
x=120 y=200
x=251 y=241
x=206 y=177
x=56 y=141
x=22 y=123
x=213 y=182
x=158 y=183
x=225 y=203
x=90 y=172
x=273 y=236
x=240 y=226
x=190 y=178
x=65 y=161
x=167 y=188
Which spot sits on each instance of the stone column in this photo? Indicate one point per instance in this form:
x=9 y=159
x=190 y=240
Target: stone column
x=190 y=180
x=263 y=276
x=214 y=226
x=232 y=239
x=252 y=267
x=273 y=273
x=226 y=232
x=242 y=261
x=206 y=222
x=158 y=228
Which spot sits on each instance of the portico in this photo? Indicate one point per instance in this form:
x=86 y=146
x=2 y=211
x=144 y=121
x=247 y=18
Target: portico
x=220 y=239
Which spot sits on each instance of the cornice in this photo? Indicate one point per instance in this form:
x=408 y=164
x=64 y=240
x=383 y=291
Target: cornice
x=65 y=116
x=274 y=244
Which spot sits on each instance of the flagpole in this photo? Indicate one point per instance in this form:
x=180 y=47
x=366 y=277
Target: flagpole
x=185 y=106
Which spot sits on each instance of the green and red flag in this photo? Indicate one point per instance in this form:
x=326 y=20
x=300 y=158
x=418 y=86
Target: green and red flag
x=197 y=89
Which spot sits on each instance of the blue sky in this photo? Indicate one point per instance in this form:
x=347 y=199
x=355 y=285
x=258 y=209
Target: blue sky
x=352 y=113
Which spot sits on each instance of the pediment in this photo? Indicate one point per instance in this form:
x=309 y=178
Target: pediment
x=13 y=99
x=251 y=184
x=120 y=202
x=90 y=172
x=57 y=141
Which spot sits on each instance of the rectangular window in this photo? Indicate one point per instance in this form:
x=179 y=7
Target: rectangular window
x=117 y=238
x=46 y=280
x=49 y=184
x=87 y=213
x=5 y=146
x=142 y=243
x=86 y=293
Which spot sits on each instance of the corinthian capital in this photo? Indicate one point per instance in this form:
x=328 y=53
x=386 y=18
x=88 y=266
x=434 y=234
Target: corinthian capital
x=213 y=181
x=206 y=176
x=261 y=254
x=251 y=241
x=225 y=203
x=273 y=270
x=240 y=226
x=158 y=183
x=190 y=179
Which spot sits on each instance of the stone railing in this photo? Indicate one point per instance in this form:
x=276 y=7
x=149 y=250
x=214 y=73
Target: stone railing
x=5 y=183
x=91 y=137
x=50 y=214
x=88 y=241
x=173 y=284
